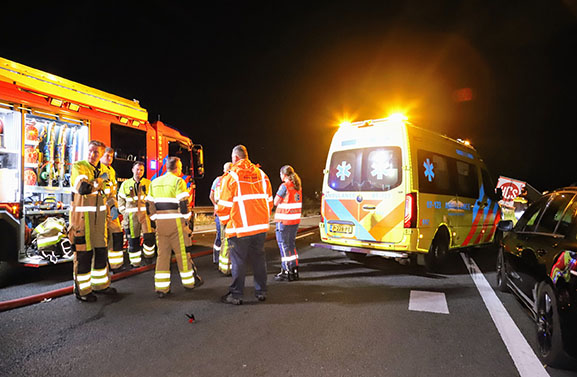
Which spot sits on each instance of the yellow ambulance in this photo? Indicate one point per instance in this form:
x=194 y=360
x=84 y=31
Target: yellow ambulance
x=398 y=191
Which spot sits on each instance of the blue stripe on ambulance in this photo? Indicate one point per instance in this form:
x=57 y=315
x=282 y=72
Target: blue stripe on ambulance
x=343 y=214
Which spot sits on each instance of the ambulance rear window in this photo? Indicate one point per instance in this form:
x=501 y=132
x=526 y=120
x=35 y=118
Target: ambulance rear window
x=366 y=169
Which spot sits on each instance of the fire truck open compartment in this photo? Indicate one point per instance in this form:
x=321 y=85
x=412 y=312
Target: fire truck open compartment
x=51 y=145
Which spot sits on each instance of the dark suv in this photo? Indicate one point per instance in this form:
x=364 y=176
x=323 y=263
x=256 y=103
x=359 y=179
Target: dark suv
x=537 y=261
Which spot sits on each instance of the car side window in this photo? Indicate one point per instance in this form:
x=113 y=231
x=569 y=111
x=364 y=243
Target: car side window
x=568 y=217
x=553 y=213
x=527 y=222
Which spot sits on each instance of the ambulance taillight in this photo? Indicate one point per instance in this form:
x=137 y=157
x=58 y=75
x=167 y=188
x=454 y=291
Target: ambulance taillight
x=410 y=210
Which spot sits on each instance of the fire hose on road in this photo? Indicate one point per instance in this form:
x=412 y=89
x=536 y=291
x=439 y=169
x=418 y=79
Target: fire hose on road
x=33 y=299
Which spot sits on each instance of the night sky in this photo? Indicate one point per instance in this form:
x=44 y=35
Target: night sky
x=279 y=77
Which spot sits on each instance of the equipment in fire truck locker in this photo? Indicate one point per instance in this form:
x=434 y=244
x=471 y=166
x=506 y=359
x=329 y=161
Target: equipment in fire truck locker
x=51 y=147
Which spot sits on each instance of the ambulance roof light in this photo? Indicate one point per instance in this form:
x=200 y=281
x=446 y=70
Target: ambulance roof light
x=397 y=118
x=346 y=123
x=465 y=142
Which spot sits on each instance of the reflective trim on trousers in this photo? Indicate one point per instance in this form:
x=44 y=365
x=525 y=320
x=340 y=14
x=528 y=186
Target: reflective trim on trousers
x=115 y=258
x=187 y=278
x=148 y=250
x=100 y=278
x=135 y=257
x=83 y=281
x=162 y=281
x=289 y=259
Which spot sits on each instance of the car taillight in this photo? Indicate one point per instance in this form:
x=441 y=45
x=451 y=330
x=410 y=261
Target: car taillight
x=410 y=210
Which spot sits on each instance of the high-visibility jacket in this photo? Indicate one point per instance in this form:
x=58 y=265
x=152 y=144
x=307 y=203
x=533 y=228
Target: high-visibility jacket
x=88 y=210
x=132 y=200
x=111 y=185
x=168 y=202
x=245 y=202
x=50 y=232
x=289 y=209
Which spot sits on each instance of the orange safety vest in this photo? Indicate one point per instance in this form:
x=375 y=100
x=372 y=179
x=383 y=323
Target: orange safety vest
x=245 y=201
x=288 y=211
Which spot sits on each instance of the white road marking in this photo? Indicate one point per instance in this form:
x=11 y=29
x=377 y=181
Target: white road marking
x=423 y=301
x=305 y=235
x=527 y=363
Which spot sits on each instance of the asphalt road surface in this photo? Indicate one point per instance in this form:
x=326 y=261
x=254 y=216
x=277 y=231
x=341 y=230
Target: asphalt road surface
x=343 y=318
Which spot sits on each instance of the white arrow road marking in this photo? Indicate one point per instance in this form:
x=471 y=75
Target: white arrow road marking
x=423 y=301
x=527 y=363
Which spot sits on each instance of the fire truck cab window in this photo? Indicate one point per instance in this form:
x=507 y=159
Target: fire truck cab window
x=129 y=146
x=181 y=151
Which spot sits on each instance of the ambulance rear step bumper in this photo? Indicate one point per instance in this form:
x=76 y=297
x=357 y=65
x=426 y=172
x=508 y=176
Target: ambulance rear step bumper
x=360 y=250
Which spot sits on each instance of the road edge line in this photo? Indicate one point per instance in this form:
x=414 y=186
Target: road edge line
x=525 y=359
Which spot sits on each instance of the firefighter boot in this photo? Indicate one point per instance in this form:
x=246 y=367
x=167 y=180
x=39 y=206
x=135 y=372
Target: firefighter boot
x=91 y=297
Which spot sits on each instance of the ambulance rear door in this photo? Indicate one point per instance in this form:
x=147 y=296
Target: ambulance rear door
x=365 y=196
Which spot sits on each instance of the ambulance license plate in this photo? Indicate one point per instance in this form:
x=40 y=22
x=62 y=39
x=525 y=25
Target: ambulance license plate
x=341 y=228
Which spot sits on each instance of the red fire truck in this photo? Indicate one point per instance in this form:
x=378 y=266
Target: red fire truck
x=46 y=123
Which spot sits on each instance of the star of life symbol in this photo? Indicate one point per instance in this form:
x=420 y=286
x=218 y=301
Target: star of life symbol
x=343 y=170
x=429 y=170
x=380 y=169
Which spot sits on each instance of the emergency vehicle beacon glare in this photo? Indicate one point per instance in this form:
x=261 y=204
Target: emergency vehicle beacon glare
x=398 y=191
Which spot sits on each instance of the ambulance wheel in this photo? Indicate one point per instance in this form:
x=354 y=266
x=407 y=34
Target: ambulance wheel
x=435 y=258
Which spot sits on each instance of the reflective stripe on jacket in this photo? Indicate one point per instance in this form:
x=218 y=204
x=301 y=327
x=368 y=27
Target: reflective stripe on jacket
x=168 y=198
x=245 y=202
x=289 y=209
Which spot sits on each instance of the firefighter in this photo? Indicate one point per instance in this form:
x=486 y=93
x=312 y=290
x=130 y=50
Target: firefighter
x=244 y=207
x=136 y=222
x=288 y=202
x=115 y=236
x=88 y=213
x=214 y=195
x=168 y=207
